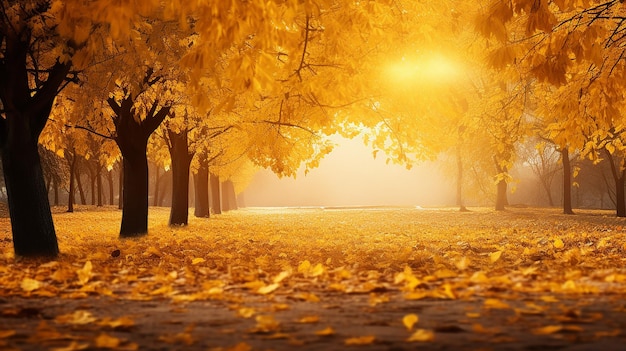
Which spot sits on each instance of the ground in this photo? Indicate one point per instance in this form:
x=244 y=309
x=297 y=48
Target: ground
x=323 y=279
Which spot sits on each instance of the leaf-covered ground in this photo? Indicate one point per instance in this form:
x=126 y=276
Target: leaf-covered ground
x=364 y=279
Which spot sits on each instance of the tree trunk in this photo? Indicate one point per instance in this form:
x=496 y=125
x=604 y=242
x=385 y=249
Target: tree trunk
x=619 y=196
x=70 y=196
x=55 y=185
x=181 y=159
x=459 y=180
x=216 y=197
x=26 y=111
x=618 y=177
x=155 y=201
x=29 y=207
x=79 y=183
x=166 y=185
x=229 y=198
x=135 y=194
x=501 y=199
x=99 y=183
x=201 y=188
x=132 y=134
x=120 y=186
x=92 y=184
x=111 y=190
x=567 y=182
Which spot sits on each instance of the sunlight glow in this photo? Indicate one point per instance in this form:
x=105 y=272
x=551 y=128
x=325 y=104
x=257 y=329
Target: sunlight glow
x=430 y=70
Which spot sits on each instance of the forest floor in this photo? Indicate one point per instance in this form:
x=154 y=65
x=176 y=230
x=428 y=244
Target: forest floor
x=323 y=279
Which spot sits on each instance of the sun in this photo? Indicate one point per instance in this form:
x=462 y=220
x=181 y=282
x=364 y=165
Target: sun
x=428 y=70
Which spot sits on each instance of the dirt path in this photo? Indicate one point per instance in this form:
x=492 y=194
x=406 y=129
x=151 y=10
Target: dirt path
x=285 y=324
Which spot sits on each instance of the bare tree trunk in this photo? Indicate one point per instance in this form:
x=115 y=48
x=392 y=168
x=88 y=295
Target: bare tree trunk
x=111 y=190
x=201 y=188
x=91 y=173
x=157 y=178
x=501 y=198
x=99 y=183
x=70 y=198
x=181 y=159
x=229 y=198
x=216 y=198
x=120 y=186
x=459 y=180
x=56 y=191
x=567 y=182
x=79 y=183
x=619 y=177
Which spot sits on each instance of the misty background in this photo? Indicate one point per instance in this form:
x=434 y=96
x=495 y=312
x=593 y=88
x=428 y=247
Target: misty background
x=350 y=176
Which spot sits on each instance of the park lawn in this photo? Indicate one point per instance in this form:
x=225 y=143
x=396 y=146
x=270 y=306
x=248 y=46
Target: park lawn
x=523 y=261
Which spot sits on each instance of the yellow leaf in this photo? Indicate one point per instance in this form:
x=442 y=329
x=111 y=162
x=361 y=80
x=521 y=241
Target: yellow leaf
x=421 y=335
x=309 y=319
x=29 y=284
x=558 y=243
x=479 y=277
x=120 y=323
x=264 y=290
x=317 y=270
x=496 y=304
x=246 y=312
x=325 y=332
x=494 y=256
x=409 y=321
x=361 y=340
x=280 y=277
x=479 y=328
x=197 y=260
x=85 y=273
x=462 y=264
x=73 y=346
x=304 y=266
x=549 y=329
x=305 y=296
x=107 y=341
x=79 y=317
x=266 y=323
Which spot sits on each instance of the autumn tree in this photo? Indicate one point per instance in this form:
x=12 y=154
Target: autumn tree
x=575 y=47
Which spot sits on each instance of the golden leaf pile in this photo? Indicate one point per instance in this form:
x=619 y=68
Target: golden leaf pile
x=295 y=256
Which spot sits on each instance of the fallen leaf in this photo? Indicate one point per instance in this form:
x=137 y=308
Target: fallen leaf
x=246 y=312
x=325 y=332
x=73 y=346
x=495 y=256
x=264 y=290
x=547 y=330
x=309 y=319
x=558 y=243
x=280 y=277
x=361 y=340
x=29 y=284
x=85 y=273
x=421 y=335
x=409 y=321
x=197 y=260
x=78 y=317
x=495 y=304
x=122 y=323
x=107 y=341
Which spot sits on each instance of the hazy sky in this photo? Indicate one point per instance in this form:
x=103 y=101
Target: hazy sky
x=350 y=176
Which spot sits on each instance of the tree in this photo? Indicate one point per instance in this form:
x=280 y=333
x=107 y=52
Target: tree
x=29 y=82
